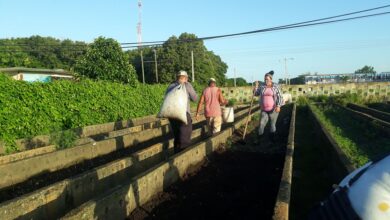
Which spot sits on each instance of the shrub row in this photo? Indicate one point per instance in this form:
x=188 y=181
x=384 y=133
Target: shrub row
x=30 y=109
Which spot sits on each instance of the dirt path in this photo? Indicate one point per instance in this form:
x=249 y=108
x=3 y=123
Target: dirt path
x=239 y=183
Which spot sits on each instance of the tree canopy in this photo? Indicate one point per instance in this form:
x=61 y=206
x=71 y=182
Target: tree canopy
x=175 y=55
x=239 y=82
x=105 y=60
x=40 y=52
x=366 y=69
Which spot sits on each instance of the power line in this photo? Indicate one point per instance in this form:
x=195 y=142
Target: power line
x=149 y=43
x=294 y=25
x=283 y=27
x=267 y=30
x=299 y=23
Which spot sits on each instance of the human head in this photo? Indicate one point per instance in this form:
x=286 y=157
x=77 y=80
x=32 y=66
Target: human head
x=182 y=76
x=212 y=82
x=268 y=77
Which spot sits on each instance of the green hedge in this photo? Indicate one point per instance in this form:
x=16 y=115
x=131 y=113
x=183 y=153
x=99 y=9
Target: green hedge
x=30 y=109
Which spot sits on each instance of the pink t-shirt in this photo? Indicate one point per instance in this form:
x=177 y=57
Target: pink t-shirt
x=268 y=100
x=211 y=101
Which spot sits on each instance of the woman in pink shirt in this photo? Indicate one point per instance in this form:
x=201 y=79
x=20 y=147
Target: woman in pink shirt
x=270 y=102
x=212 y=99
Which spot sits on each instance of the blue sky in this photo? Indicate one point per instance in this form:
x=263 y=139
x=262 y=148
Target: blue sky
x=334 y=48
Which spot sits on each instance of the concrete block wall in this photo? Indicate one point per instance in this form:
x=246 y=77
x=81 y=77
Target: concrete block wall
x=381 y=89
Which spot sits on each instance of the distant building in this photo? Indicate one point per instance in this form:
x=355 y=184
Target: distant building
x=341 y=78
x=36 y=75
x=384 y=76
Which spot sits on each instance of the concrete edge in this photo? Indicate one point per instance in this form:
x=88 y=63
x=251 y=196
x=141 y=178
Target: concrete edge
x=384 y=116
x=281 y=209
x=83 y=185
x=83 y=133
x=122 y=200
x=367 y=116
x=26 y=154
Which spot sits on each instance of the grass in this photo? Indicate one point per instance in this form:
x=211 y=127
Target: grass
x=360 y=141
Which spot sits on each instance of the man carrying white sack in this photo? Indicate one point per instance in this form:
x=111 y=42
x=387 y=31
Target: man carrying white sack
x=182 y=131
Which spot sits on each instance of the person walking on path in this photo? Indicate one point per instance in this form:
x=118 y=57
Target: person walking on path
x=181 y=131
x=212 y=99
x=271 y=100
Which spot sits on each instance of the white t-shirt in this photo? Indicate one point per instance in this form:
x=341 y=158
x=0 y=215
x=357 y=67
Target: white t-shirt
x=370 y=194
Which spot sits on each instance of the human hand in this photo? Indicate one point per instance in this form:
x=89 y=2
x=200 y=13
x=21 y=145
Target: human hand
x=277 y=109
x=197 y=117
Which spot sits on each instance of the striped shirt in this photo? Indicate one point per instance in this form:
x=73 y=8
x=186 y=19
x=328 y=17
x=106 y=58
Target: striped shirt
x=277 y=95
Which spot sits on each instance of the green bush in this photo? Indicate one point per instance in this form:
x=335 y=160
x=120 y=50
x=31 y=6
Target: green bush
x=302 y=101
x=30 y=109
x=319 y=98
x=232 y=102
x=63 y=139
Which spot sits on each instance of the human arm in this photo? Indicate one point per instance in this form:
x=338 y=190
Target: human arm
x=256 y=89
x=200 y=103
x=221 y=100
x=191 y=92
x=279 y=98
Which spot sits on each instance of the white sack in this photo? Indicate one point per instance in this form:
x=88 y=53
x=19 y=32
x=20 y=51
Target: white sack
x=175 y=104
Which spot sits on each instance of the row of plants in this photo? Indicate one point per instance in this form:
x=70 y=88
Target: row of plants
x=346 y=98
x=30 y=109
x=359 y=140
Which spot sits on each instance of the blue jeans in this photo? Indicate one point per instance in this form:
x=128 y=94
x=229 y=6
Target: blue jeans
x=272 y=116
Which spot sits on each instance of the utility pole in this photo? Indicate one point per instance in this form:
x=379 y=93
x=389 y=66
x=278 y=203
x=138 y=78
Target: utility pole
x=155 y=64
x=234 y=77
x=142 y=66
x=139 y=35
x=192 y=66
x=287 y=79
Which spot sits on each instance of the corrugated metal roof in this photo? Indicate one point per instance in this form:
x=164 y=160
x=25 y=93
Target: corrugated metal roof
x=35 y=70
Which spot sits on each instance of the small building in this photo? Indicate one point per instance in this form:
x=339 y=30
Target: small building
x=339 y=78
x=383 y=76
x=36 y=75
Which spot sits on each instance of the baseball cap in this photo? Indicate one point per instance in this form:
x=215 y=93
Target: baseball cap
x=182 y=73
x=212 y=80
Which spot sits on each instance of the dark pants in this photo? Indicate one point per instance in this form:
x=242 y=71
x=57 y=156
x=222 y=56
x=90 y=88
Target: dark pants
x=181 y=132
